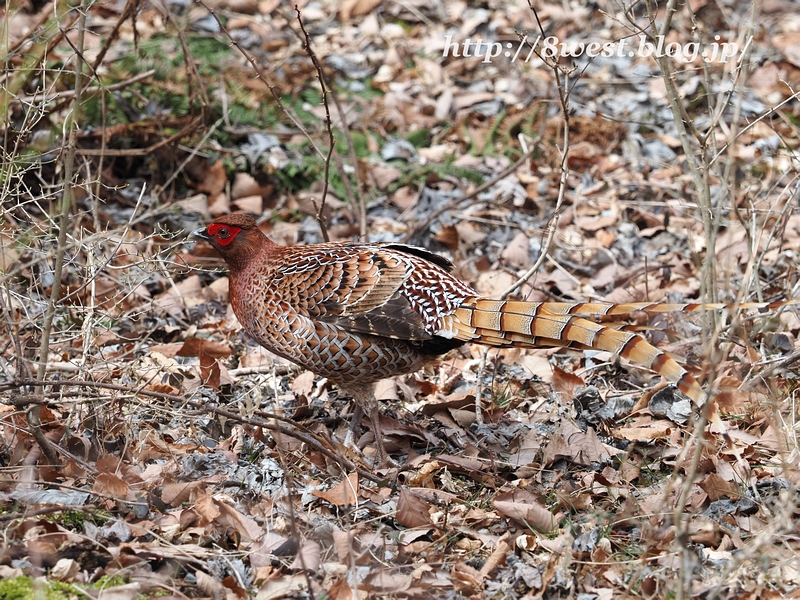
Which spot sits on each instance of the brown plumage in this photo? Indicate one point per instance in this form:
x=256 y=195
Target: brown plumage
x=358 y=313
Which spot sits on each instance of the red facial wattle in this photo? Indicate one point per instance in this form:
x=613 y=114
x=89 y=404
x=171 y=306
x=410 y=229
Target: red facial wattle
x=223 y=234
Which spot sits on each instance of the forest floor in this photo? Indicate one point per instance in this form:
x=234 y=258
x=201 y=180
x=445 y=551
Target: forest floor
x=149 y=448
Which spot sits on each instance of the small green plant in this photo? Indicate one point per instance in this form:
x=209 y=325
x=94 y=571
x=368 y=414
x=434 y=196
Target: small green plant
x=109 y=581
x=419 y=138
x=502 y=397
x=75 y=519
x=25 y=588
x=359 y=144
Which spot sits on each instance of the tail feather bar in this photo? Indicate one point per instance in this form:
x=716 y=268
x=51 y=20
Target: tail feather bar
x=603 y=308
x=536 y=324
x=498 y=323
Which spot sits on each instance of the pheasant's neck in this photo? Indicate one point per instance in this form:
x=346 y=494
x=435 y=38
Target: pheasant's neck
x=253 y=253
x=250 y=274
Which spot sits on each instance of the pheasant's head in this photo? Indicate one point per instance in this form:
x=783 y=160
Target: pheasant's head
x=236 y=237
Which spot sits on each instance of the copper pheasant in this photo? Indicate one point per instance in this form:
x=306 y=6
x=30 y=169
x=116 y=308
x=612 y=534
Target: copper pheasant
x=357 y=313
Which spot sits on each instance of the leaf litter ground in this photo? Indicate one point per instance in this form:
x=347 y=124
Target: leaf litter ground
x=196 y=463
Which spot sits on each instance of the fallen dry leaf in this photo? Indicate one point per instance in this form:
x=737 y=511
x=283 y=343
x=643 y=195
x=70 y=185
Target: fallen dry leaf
x=208 y=351
x=412 y=511
x=580 y=447
x=345 y=493
x=308 y=557
x=530 y=515
x=356 y=8
x=566 y=383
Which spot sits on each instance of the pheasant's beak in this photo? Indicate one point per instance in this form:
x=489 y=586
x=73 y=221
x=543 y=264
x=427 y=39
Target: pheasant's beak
x=201 y=233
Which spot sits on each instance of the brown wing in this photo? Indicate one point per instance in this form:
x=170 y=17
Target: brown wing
x=393 y=319
x=386 y=290
x=393 y=297
x=355 y=287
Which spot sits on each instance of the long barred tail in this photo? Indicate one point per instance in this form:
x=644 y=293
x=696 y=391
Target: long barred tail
x=536 y=324
x=533 y=324
x=607 y=309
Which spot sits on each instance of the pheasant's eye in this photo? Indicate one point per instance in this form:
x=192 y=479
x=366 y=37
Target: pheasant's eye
x=223 y=233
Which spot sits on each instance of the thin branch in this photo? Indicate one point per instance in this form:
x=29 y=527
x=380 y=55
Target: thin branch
x=360 y=198
x=67 y=94
x=142 y=151
x=34 y=413
x=262 y=78
x=474 y=193
x=328 y=124
x=552 y=225
x=129 y=12
x=306 y=438
x=744 y=130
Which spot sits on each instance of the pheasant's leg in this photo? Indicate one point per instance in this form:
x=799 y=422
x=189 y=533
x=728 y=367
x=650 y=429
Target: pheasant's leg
x=355 y=423
x=374 y=415
x=364 y=396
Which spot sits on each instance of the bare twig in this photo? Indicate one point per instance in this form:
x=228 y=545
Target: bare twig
x=192 y=154
x=194 y=124
x=111 y=254
x=129 y=12
x=260 y=76
x=696 y=161
x=34 y=412
x=50 y=33
x=474 y=193
x=360 y=199
x=772 y=111
x=67 y=94
x=306 y=438
x=552 y=225
x=328 y=124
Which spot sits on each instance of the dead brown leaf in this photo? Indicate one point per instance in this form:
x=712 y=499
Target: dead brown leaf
x=8 y=255
x=405 y=197
x=412 y=511
x=716 y=487
x=238 y=521
x=530 y=515
x=345 y=493
x=461 y=101
x=214 y=179
x=176 y=494
x=106 y=483
x=283 y=586
x=356 y=8
x=517 y=253
x=308 y=557
x=655 y=430
x=466 y=579
x=384 y=176
x=387 y=583
x=341 y=590
x=127 y=591
x=582 y=448
x=448 y=236
x=469 y=233
x=206 y=507
x=303 y=384
x=251 y=204
x=208 y=351
x=261 y=551
x=565 y=383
